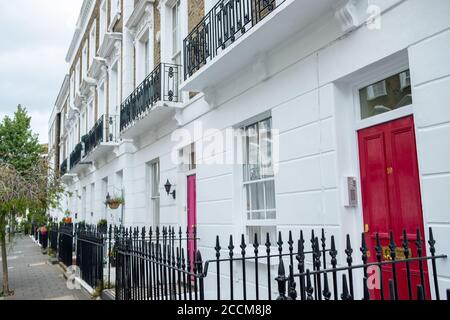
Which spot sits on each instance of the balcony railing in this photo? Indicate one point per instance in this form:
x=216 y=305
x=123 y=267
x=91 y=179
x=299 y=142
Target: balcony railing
x=75 y=156
x=160 y=85
x=104 y=131
x=227 y=21
x=63 y=168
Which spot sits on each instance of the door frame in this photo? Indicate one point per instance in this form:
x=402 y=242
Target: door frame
x=372 y=75
x=351 y=86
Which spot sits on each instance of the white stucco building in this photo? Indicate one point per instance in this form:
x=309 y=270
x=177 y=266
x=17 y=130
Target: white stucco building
x=350 y=100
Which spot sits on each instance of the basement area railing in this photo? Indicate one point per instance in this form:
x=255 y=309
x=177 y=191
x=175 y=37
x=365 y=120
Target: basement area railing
x=161 y=267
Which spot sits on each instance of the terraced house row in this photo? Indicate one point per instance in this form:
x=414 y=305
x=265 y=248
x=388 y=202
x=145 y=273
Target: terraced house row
x=233 y=117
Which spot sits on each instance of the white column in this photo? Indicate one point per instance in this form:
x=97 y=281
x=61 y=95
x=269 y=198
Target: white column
x=128 y=51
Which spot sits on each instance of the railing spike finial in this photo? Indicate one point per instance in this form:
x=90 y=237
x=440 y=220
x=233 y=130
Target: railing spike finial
x=280 y=243
x=349 y=251
x=405 y=244
x=313 y=240
x=418 y=241
x=243 y=246
x=218 y=248
x=363 y=247
x=256 y=244
x=291 y=241
x=231 y=247
x=432 y=241
x=268 y=244
x=333 y=252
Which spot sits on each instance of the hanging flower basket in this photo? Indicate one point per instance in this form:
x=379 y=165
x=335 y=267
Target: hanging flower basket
x=114 y=205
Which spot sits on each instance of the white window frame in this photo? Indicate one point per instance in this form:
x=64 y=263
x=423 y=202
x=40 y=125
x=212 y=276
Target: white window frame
x=250 y=224
x=84 y=61
x=155 y=192
x=175 y=11
x=103 y=19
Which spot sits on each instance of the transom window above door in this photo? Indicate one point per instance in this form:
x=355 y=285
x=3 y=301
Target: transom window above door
x=387 y=95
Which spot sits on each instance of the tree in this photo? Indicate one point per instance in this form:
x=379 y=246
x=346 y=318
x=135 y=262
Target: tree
x=26 y=181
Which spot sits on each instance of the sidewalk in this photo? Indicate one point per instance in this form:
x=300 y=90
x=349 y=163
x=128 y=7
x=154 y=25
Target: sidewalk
x=31 y=277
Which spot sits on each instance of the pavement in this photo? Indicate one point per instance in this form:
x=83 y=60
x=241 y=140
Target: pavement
x=32 y=277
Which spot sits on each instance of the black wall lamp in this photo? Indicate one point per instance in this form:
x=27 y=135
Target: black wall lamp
x=108 y=199
x=168 y=187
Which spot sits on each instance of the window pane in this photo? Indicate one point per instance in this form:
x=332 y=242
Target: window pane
x=252 y=171
x=155 y=180
x=261 y=234
x=271 y=215
x=265 y=141
x=387 y=95
x=270 y=195
x=257 y=196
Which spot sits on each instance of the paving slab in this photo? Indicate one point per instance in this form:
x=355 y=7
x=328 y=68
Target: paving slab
x=33 y=277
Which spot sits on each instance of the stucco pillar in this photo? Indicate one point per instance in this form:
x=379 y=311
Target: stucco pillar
x=128 y=51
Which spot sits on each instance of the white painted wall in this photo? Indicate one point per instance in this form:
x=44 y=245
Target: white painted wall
x=309 y=95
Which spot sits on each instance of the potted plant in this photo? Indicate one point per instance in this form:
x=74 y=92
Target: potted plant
x=102 y=225
x=114 y=202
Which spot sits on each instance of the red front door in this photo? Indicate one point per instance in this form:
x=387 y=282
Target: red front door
x=192 y=216
x=391 y=196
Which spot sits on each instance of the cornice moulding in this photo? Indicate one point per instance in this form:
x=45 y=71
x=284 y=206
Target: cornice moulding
x=96 y=69
x=83 y=19
x=108 y=45
x=138 y=12
x=63 y=92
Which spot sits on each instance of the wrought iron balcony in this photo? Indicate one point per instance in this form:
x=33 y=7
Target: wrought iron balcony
x=63 y=168
x=103 y=131
x=162 y=85
x=227 y=21
x=75 y=156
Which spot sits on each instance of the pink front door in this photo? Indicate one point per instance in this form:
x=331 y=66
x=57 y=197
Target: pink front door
x=192 y=216
x=391 y=196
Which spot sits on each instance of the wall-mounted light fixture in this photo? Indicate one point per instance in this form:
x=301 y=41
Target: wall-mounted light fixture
x=168 y=187
x=108 y=199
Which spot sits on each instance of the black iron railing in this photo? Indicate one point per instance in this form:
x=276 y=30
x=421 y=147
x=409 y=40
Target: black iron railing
x=157 y=265
x=90 y=254
x=53 y=237
x=65 y=244
x=227 y=21
x=160 y=85
x=154 y=266
x=75 y=156
x=63 y=168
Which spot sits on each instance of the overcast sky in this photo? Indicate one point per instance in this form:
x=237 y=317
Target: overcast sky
x=35 y=38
